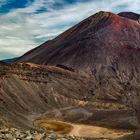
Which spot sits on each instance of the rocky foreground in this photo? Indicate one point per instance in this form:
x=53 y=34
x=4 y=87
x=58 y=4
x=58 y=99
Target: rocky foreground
x=16 y=134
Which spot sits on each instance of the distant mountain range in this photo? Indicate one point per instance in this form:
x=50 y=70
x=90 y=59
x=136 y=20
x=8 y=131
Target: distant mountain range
x=9 y=60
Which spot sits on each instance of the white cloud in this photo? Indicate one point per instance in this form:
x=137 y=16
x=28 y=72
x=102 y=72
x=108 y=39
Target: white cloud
x=22 y=29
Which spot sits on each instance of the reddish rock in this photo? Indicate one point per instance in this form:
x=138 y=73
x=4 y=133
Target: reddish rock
x=103 y=39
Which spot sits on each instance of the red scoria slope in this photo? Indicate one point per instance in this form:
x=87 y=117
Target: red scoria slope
x=104 y=38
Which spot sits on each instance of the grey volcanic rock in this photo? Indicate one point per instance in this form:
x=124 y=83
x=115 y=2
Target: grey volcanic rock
x=14 y=134
x=30 y=91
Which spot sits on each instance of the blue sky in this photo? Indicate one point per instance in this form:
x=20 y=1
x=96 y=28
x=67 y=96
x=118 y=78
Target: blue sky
x=25 y=24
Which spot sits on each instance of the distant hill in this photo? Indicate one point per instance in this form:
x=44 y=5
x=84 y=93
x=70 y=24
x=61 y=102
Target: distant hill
x=130 y=15
x=9 y=60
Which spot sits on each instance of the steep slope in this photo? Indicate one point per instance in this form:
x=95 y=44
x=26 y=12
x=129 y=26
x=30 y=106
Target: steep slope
x=103 y=38
x=30 y=91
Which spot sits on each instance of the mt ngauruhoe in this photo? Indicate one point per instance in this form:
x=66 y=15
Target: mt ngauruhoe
x=87 y=75
x=103 y=38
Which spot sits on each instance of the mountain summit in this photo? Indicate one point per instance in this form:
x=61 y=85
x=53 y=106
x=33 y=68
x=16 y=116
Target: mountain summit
x=104 y=38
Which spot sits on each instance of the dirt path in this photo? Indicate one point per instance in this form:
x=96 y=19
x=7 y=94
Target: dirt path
x=82 y=130
x=97 y=132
